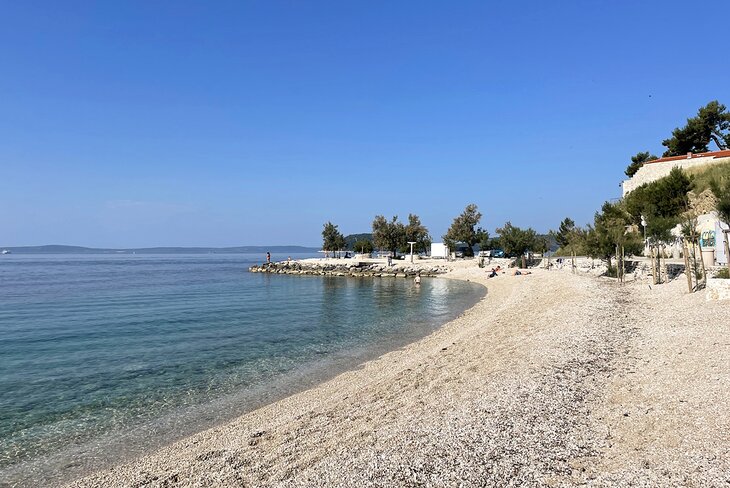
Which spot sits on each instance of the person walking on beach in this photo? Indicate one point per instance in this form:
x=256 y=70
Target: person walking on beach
x=268 y=257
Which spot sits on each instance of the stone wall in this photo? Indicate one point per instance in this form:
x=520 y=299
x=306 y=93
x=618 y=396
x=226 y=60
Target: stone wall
x=653 y=171
x=351 y=268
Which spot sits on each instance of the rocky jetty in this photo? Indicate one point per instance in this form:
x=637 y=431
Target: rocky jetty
x=358 y=269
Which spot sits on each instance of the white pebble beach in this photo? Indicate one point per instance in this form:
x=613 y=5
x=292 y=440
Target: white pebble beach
x=552 y=379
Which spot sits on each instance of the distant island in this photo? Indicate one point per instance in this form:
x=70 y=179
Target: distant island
x=58 y=249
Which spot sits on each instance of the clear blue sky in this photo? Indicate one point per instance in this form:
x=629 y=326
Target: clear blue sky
x=242 y=123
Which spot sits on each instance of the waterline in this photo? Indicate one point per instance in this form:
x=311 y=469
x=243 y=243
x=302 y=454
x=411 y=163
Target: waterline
x=121 y=355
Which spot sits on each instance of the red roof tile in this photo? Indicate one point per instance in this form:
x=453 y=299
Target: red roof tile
x=713 y=154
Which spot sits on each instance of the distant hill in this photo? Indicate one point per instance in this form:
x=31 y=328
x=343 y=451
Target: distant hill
x=57 y=249
x=353 y=238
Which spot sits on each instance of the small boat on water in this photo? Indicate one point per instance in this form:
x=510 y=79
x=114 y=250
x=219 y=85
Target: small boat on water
x=5 y=251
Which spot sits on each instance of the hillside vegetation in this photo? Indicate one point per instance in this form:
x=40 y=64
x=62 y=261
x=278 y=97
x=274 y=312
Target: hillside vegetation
x=703 y=175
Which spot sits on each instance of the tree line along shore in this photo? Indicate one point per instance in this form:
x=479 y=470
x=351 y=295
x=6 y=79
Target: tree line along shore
x=552 y=379
x=645 y=221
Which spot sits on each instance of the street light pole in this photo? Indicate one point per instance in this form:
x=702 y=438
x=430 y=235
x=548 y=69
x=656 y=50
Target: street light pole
x=411 y=243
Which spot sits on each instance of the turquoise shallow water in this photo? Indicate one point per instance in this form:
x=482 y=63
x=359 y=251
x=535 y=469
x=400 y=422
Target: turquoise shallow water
x=107 y=356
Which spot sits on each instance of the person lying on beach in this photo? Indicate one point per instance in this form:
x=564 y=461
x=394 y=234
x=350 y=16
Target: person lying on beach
x=492 y=273
x=518 y=272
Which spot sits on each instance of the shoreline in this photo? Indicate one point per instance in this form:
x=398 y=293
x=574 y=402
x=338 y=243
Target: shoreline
x=550 y=380
x=123 y=446
x=466 y=271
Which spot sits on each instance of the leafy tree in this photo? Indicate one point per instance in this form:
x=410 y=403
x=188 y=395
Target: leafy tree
x=658 y=233
x=577 y=241
x=691 y=236
x=712 y=124
x=484 y=240
x=562 y=236
x=493 y=243
x=661 y=202
x=418 y=233
x=363 y=246
x=659 y=229
x=665 y=197
x=388 y=236
x=570 y=238
x=721 y=190
x=638 y=161
x=611 y=228
x=541 y=245
x=332 y=239
x=598 y=243
x=516 y=241
x=463 y=229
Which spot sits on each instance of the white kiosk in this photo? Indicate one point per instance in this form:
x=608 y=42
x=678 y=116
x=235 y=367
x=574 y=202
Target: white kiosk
x=439 y=250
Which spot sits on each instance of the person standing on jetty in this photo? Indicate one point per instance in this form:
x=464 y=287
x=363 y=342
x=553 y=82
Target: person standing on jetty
x=268 y=257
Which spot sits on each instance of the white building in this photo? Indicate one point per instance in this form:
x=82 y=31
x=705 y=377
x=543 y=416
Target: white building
x=712 y=237
x=659 y=168
x=439 y=250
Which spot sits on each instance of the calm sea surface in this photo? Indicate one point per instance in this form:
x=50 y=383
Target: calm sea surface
x=103 y=357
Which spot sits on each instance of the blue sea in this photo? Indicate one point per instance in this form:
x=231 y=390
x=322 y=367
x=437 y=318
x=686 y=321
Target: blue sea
x=104 y=357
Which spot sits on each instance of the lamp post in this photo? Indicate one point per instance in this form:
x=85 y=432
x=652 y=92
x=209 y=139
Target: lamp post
x=411 y=243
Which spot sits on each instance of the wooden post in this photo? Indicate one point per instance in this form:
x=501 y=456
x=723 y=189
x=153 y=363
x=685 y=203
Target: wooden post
x=702 y=262
x=727 y=248
x=651 y=260
x=623 y=264
x=620 y=263
x=695 y=269
x=687 y=269
x=662 y=263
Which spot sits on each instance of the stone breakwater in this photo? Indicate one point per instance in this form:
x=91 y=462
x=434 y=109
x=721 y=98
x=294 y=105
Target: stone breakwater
x=354 y=269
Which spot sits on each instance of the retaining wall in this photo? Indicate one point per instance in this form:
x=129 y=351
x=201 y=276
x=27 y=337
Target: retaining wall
x=653 y=171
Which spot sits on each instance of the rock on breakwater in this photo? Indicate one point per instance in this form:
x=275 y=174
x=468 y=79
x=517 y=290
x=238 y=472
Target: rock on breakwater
x=358 y=269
